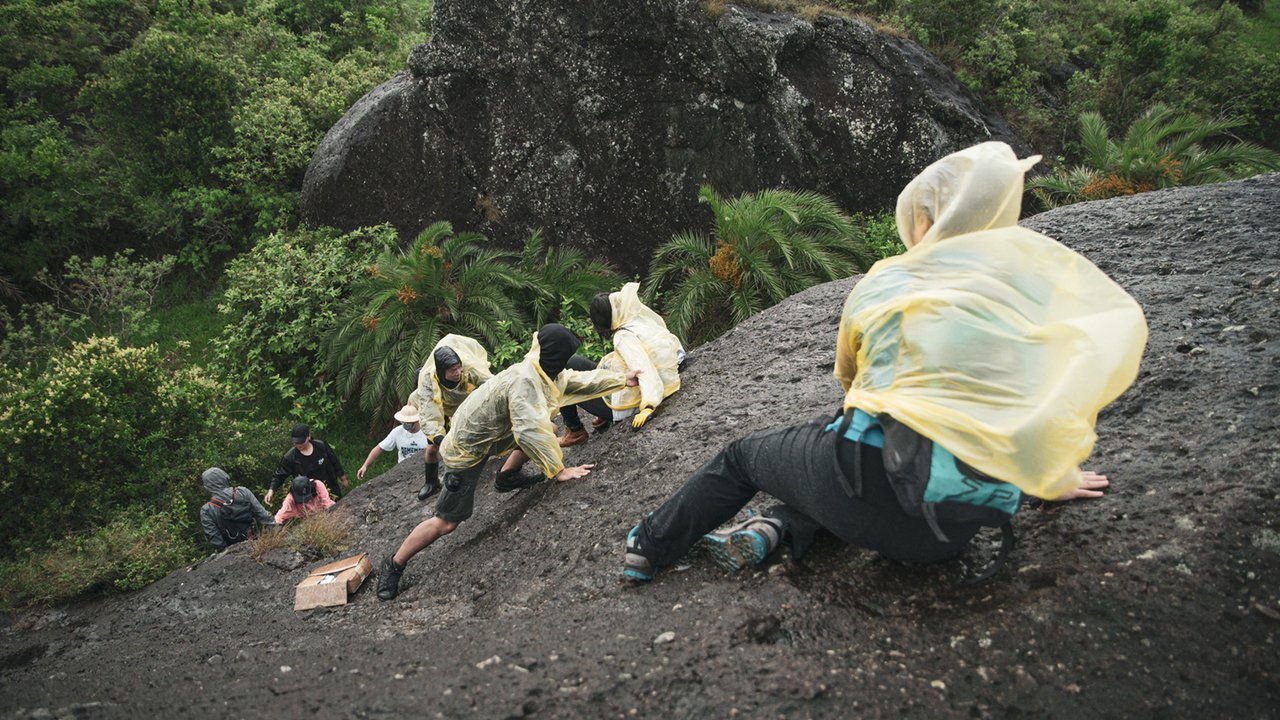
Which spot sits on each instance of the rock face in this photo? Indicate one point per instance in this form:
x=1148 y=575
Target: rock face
x=1158 y=600
x=598 y=122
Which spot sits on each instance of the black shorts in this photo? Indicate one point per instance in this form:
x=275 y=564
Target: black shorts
x=457 y=505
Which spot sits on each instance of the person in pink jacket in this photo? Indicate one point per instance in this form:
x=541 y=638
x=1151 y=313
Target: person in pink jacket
x=306 y=498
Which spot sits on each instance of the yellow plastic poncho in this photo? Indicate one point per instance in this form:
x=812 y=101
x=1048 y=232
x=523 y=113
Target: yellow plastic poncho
x=992 y=340
x=515 y=409
x=434 y=401
x=641 y=341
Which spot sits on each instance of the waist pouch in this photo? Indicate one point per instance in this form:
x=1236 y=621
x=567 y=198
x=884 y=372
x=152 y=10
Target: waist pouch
x=928 y=481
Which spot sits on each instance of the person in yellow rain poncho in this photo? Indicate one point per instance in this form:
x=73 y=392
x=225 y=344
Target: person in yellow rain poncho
x=458 y=366
x=973 y=367
x=510 y=413
x=641 y=341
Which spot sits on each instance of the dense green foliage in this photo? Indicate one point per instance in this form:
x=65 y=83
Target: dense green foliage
x=762 y=247
x=1160 y=149
x=103 y=428
x=1043 y=63
x=281 y=300
x=180 y=126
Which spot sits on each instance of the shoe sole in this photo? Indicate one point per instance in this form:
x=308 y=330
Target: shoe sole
x=737 y=549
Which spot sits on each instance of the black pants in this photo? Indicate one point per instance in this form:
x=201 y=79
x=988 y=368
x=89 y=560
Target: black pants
x=797 y=465
x=595 y=406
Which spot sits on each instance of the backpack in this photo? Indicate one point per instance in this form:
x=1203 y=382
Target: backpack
x=931 y=483
x=234 y=519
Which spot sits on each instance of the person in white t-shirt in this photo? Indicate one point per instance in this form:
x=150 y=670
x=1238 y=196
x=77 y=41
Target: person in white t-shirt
x=406 y=438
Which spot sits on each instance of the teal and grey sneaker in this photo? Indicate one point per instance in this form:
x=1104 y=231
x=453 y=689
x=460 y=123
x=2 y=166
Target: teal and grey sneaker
x=747 y=543
x=635 y=567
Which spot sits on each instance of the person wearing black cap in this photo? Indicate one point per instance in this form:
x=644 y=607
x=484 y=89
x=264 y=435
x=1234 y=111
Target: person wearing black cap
x=458 y=365
x=306 y=497
x=308 y=457
x=511 y=412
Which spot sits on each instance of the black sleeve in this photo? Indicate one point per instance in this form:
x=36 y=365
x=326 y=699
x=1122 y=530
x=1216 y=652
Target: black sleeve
x=284 y=471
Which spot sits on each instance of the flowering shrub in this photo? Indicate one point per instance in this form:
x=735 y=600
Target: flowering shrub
x=103 y=428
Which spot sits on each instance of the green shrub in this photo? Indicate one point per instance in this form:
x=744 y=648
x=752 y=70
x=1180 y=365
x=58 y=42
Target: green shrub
x=880 y=235
x=103 y=428
x=762 y=248
x=281 y=300
x=137 y=547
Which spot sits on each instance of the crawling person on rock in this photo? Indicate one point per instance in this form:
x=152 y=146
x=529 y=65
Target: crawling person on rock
x=308 y=457
x=511 y=412
x=973 y=368
x=306 y=498
x=458 y=365
x=231 y=513
x=640 y=341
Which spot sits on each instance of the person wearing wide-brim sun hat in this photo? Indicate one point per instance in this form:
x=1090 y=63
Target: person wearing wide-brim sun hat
x=407 y=439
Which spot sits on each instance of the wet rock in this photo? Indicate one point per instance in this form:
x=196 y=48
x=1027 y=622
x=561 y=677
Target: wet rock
x=599 y=126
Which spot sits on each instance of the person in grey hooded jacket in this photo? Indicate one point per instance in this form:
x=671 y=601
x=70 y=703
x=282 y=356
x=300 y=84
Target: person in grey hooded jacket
x=231 y=511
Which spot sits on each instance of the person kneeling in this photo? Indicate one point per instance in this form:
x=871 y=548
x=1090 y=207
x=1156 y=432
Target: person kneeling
x=306 y=498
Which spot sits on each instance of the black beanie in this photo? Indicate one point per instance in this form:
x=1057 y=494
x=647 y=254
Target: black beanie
x=302 y=490
x=556 y=345
x=445 y=358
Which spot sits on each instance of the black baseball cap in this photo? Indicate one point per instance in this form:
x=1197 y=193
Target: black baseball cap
x=300 y=434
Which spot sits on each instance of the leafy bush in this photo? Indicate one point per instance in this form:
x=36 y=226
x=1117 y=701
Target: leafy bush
x=103 y=428
x=880 y=235
x=181 y=127
x=137 y=547
x=281 y=300
x=763 y=247
x=1161 y=149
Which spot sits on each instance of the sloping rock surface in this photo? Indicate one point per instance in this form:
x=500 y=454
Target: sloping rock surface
x=1160 y=600
x=598 y=122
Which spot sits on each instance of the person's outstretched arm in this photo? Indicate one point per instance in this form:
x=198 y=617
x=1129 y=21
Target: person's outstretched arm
x=1091 y=485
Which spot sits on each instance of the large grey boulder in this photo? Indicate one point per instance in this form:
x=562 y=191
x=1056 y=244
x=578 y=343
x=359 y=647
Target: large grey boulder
x=598 y=121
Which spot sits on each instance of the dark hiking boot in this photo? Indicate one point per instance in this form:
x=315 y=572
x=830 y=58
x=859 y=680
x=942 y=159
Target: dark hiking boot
x=389 y=579
x=573 y=437
x=636 y=568
x=747 y=543
x=429 y=488
x=600 y=424
x=509 y=480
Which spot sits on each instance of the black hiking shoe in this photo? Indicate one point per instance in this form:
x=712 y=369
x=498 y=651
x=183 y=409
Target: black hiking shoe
x=428 y=489
x=389 y=579
x=513 y=480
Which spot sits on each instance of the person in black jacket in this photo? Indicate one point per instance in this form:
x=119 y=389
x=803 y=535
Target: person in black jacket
x=231 y=511
x=311 y=458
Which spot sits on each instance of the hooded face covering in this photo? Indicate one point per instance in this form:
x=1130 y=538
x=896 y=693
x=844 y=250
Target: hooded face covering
x=216 y=480
x=302 y=490
x=445 y=358
x=556 y=345
x=978 y=188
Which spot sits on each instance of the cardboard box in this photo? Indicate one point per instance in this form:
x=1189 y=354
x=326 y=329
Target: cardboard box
x=331 y=584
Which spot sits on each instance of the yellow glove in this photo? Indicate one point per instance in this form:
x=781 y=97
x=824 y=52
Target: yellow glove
x=641 y=417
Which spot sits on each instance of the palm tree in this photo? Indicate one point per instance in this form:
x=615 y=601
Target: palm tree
x=443 y=283
x=1161 y=149
x=561 y=274
x=763 y=247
